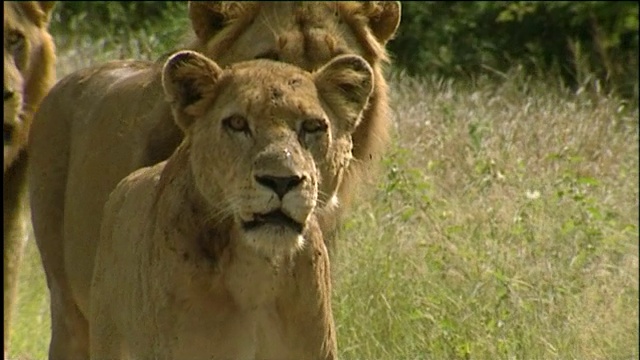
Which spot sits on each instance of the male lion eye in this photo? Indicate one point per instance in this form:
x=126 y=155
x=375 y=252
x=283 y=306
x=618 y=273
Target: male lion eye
x=236 y=123
x=314 y=125
x=269 y=55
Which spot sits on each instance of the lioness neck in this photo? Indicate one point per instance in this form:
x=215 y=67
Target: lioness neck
x=212 y=248
x=269 y=306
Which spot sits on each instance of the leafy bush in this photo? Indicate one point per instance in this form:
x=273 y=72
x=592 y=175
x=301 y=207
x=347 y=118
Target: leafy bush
x=111 y=29
x=580 y=41
x=576 y=40
x=120 y=16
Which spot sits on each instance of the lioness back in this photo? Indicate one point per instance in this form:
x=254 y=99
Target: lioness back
x=111 y=120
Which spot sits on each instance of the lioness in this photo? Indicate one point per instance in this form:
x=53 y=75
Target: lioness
x=29 y=72
x=102 y=123
x=216 y=253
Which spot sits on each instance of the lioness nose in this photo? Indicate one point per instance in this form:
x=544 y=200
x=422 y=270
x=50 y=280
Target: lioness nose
x=7 y=130
x=8 y=94
x=280 y=184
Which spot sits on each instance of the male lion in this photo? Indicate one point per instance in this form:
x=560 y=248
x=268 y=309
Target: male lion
x=216 y=253
x=100 y=124
x=29 y=72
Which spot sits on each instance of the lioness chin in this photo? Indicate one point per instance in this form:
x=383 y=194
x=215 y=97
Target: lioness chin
x=29 y=72
x=216 y=253
x=100 y=124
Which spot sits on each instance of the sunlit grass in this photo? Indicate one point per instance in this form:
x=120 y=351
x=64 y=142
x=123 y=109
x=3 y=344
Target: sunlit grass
x=31 y=333
x=506 y=228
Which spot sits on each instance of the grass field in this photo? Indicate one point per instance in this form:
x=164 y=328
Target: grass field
x=503 y=225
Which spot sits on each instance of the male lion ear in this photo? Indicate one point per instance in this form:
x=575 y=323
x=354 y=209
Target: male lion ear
x=384 y=18
x=187 y=79
x=346 y=83
x=209 y=17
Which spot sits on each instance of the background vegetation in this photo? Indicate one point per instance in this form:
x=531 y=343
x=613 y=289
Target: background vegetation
x=504 y=223
x=580 y=42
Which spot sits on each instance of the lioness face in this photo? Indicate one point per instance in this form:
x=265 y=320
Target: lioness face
x=268 y=141
x=24 y=31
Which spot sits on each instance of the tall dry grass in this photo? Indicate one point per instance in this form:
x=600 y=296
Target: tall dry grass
x=506 y=227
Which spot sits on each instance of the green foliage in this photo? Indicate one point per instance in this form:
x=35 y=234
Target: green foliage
x=584 y=42
x=118 y=29
x=578 y=40
x=91 y=17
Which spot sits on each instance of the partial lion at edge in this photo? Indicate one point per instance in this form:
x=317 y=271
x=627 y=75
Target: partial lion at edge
x=29 y=73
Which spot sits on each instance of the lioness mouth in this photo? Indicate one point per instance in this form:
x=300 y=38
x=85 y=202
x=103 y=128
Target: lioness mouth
x=276 y=217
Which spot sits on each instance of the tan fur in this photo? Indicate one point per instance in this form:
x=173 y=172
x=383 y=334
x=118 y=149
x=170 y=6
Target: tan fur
x=102 y=123
x=29 y=72
x=180 y=273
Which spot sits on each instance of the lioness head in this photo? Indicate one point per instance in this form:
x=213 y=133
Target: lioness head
x=268 y=142
x=29 y=69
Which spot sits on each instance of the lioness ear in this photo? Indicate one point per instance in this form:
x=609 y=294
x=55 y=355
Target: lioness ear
x=188 y=78
x=47 y=8
x=384 y=18
x=346 y=83
x=38 y=11
x=209 y=17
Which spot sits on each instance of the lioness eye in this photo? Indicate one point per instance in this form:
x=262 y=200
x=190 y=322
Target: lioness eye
x=7 y=133
x=314 y=125
x=236 y=123
x=15 y=39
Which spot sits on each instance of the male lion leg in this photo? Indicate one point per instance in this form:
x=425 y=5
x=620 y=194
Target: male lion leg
x=49 y=158
x=69 y=328
x=15 y=236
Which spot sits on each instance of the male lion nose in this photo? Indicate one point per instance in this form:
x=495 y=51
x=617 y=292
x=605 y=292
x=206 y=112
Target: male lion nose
x=280 y=184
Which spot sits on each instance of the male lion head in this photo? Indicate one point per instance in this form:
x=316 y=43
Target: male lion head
x=29 y=69
x=268 y=142
x=308 y=34
x=305 y=33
